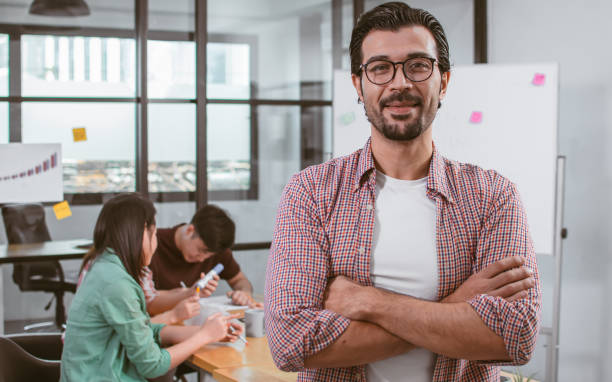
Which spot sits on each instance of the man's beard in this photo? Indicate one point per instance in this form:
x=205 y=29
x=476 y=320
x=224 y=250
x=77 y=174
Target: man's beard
x=397 y=131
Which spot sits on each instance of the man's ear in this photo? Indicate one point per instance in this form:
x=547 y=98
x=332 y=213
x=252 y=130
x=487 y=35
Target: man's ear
x=357 y=84
x=445 y=78
x=190 y=230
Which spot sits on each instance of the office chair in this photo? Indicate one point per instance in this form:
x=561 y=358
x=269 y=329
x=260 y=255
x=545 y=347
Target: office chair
x=46 y=346
x=25 y=223
x=16 y=364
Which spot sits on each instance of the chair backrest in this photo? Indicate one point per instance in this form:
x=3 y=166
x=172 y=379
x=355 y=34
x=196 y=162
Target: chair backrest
x=47 y=346
x=16 y=364
x=24 y=224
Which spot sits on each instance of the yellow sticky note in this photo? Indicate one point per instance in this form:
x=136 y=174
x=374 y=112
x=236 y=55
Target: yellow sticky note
x=62 y=210
x=79 y=134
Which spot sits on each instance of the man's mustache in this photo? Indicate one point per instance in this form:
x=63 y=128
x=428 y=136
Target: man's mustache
x=401 y=97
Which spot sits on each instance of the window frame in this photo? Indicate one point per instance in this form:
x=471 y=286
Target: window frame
x=15 y=100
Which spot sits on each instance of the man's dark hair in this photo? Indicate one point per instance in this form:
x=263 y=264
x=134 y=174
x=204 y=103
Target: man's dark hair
x=120 y=227
x=214 y=227
x=391 y=17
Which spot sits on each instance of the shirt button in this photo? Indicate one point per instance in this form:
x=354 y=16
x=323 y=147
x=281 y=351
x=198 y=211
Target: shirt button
x=369 y=207
x=361 y=250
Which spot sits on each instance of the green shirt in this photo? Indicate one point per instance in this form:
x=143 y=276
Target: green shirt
x=109 y=335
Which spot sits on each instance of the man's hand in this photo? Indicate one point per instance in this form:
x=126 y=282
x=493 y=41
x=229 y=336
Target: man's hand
x=506 y=278
x=210 y=287
x=187 y=308
x=240 y=297
x=344 y=296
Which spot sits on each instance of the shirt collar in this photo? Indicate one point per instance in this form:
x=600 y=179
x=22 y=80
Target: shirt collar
x=437 y=182
x=365 y=165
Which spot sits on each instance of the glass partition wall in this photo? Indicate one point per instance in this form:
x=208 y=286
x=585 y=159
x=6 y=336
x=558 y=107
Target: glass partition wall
x=189 y=102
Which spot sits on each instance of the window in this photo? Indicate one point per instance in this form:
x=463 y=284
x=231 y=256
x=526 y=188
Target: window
x=229 y=147
x=4 y=51
x=172 y=159
x=171 y=66
x=4 y=123
x=266 y=59
x=62 y=66
x=4 y=131
x=228 y=70
x=104 y=163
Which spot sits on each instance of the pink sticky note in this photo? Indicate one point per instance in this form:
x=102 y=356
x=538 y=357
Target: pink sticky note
x=476 y=117
x=539 y=79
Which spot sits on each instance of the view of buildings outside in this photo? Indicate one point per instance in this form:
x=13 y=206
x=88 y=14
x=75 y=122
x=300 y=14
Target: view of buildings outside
x=57 y=66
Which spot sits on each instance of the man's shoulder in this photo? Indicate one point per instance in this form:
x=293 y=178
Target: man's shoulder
x=334 y=173
x=468 y=179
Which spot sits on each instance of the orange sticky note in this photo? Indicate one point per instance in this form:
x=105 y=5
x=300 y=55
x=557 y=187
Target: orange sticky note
x=79 y=134
x=539 y=79
x=476 y=117
x=62 y=210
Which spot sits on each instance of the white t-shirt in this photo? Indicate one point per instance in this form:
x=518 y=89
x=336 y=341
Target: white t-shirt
x=404 y=260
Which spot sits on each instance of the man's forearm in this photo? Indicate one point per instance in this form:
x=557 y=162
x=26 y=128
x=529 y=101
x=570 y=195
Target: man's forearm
x=359 y=344
x=243 y=285
x=454 y=330
x=167 y=299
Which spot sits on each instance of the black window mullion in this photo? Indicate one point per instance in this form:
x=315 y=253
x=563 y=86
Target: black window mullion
x=142 y=158
x=480 y=32
x=201 y=194
x=14 y=87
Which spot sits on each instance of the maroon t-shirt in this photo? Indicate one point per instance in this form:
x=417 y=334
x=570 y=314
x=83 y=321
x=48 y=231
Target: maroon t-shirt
x=170 y=268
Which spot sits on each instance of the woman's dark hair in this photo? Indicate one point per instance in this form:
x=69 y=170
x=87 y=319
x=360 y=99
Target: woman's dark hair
x=214 y=227
x=391 y=17
x=120 y=227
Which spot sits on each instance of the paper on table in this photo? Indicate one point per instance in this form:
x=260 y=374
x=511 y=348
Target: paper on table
x=212 y=305
x=223 y=302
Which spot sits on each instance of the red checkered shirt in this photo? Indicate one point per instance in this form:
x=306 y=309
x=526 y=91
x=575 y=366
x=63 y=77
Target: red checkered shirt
x=324 y=228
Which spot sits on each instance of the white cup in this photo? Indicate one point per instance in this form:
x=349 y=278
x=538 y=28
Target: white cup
x=254 y=322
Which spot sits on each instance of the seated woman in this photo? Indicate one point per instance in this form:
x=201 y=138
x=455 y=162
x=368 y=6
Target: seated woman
x=176 y=305
x=109 y=335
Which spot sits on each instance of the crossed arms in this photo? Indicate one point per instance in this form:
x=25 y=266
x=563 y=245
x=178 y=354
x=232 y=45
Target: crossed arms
x=311 y=323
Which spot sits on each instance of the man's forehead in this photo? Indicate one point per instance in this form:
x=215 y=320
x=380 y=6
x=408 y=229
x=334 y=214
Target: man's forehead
x=398 y=44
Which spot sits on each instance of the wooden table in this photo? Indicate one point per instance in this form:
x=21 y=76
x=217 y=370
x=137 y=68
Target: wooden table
x=253 y=373
x=49 y=250
x=239 y=362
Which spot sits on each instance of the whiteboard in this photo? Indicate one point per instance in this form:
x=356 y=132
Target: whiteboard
x=501 y=117
x=31 y=173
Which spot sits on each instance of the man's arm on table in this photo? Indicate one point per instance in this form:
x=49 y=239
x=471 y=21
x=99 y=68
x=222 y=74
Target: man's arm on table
x=242 y=290
x=487 y=327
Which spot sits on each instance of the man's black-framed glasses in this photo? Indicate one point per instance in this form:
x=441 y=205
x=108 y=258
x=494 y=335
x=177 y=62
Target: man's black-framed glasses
x=416 y=69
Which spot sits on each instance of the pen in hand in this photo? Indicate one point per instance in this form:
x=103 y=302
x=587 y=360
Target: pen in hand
x=241 y=338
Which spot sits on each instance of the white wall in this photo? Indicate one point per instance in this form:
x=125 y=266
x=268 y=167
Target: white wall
x=577 y=35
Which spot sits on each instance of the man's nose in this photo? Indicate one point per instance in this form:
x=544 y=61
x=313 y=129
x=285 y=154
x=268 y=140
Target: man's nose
x=399 y=80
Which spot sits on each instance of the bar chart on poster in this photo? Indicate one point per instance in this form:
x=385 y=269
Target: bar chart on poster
x=31 y=173
x=501 y=117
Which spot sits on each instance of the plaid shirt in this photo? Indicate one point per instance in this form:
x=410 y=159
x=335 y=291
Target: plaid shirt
x=324 y=228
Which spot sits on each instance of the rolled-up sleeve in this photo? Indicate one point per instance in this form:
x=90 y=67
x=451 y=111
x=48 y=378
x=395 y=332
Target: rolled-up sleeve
x=505 y=233
x=297 y=326
x=141 y=339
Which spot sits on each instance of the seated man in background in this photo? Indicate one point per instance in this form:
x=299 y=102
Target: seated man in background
x=188 y=251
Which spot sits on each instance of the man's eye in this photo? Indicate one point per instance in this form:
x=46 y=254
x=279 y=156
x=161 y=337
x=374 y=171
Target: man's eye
x=379 y=68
